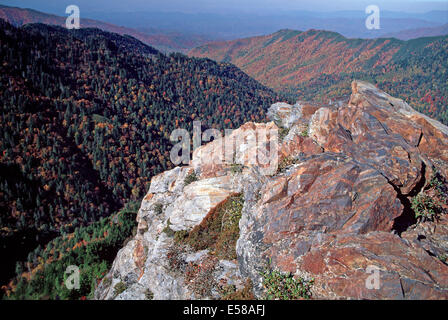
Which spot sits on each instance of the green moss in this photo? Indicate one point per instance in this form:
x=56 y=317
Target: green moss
x=200 y=278
x=304 y=133
x=285 y=163
x=158 y=208
x=236 y=168
x=282 y=133
x=167 y=230
x=175 y=259
x=107 y=281
x=179 y=236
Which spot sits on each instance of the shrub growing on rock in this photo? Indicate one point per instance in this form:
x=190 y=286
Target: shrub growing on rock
x=230 y=292
x=158 y=208
x=199 y=276
x=219 y=230
x=430 y=203
x=284 y=286
x=425 y=207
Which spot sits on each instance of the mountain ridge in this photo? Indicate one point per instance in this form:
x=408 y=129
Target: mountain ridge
x=163 y=41
x=313 y=65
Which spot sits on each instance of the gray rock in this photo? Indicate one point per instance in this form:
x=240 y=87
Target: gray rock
x=285 y=114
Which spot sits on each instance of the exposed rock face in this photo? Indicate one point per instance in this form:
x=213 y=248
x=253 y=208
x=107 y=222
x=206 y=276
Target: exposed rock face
x=338 y=205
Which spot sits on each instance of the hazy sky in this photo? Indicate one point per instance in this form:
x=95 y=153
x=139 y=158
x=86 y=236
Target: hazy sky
x=215 y=6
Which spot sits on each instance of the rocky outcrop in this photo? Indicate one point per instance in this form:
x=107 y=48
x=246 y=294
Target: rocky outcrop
x=341 y=203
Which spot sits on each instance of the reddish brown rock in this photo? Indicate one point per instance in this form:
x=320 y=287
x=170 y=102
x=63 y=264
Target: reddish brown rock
x=364 y=130
x=275 y=190
x=343 y=206
x=405 y=271
x=139 y=256
x=330 y=192
x=296 y=145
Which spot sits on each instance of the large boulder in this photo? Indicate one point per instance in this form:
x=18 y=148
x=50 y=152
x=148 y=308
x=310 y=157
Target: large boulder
x=334 y=214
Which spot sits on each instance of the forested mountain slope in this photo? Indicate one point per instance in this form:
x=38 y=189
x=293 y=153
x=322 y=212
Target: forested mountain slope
x=86 y=117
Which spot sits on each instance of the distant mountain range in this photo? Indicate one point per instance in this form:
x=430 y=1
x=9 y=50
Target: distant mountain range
x=421 y=32
x=177 y=31
x=231 y=26
x=162 y=40
x=314 y=63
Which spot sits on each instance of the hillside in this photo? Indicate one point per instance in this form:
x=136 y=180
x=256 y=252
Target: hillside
x=86 y=120
x=92 y=248
x=317 y=65
x=165 y=41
